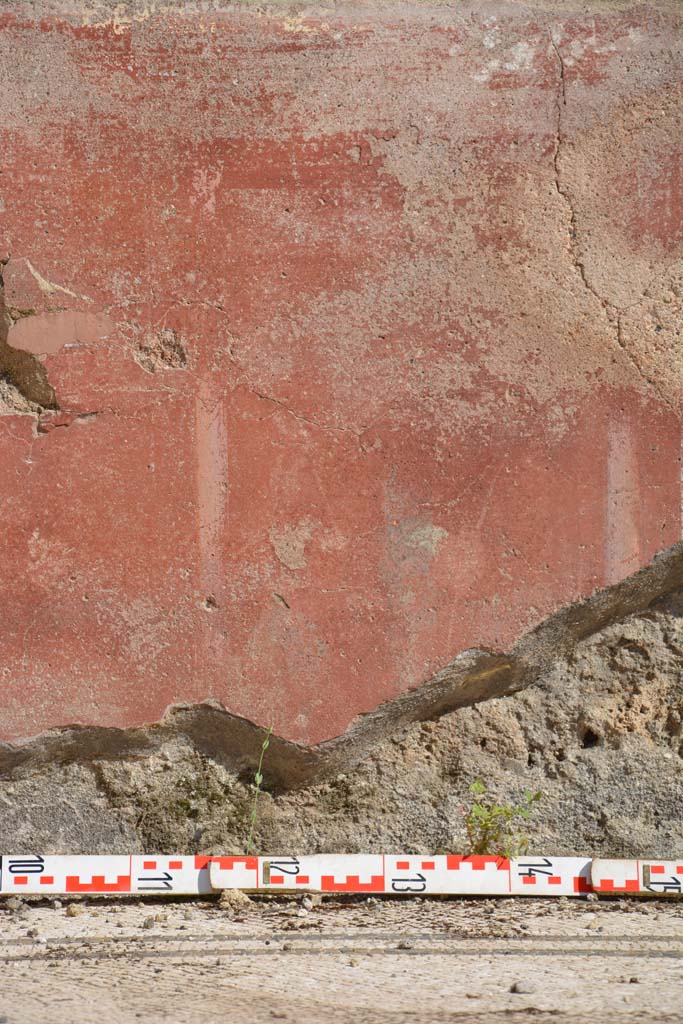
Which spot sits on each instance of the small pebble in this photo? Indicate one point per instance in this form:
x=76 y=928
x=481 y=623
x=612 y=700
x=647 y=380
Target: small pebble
x=522 y=988
x=149 y=922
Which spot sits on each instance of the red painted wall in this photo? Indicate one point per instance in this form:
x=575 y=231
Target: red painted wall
x=362 y=328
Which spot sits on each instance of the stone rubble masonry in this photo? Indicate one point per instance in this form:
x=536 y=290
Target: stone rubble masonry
x=341 y=356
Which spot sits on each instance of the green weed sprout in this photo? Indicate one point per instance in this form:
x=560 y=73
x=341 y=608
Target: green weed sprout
x=258 y=782
x=495 y=829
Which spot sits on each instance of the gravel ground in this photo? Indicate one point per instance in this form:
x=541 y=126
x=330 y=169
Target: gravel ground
x=367 y=961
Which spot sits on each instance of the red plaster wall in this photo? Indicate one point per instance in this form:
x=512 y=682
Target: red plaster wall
x=363 y=324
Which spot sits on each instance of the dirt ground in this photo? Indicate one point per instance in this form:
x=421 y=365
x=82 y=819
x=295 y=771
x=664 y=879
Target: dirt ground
x=366 y=960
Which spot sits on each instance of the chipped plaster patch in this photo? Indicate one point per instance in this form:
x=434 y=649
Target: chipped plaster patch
x=163 y=350
x=13 y=402
x=290 y=543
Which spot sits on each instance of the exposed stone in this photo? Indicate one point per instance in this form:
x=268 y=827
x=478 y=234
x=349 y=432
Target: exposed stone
x=233 y=900
x=601 y=736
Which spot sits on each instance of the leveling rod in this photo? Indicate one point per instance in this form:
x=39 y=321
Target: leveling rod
x=383 y=874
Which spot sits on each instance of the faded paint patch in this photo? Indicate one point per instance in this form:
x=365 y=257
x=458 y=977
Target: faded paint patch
x=623 y=554
x=212 y=487
x=47 y=333
x=427 y=537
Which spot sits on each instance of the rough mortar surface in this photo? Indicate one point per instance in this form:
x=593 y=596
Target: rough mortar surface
x=600 y=735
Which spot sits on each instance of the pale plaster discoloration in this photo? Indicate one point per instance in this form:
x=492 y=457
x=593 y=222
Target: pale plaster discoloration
x=46 y=334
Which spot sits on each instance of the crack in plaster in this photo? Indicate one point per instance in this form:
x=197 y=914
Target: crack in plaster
x=49 y=287
x=563 y=191
x=44 y=426
x=246 y=383
x=613 y=313
x=305 y=419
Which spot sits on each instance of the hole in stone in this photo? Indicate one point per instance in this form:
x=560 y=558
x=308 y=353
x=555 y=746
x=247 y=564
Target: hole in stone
x=590 y=739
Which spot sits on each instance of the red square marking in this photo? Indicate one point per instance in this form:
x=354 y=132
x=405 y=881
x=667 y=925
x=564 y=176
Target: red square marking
x=657 y=869
x=555 y=880
x=609 y=885
x=277 y=879
x=679 y=869
x=175 y=865
x=427 y=865
x=21 y=880
x=149 y=865
x=527 y=880
x=47 y=879
x=302 y=879
x=403 y=865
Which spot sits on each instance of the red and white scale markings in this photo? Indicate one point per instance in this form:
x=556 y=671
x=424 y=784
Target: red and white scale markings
x=390 y=874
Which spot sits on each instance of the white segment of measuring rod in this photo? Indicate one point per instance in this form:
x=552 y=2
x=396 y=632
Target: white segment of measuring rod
x=380 y=874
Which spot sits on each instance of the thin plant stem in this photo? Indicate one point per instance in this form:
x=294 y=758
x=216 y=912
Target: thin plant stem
x=258 y=781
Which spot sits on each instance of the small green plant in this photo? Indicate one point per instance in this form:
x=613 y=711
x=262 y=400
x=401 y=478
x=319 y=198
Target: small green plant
x=495 y=829
x=258 y=782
